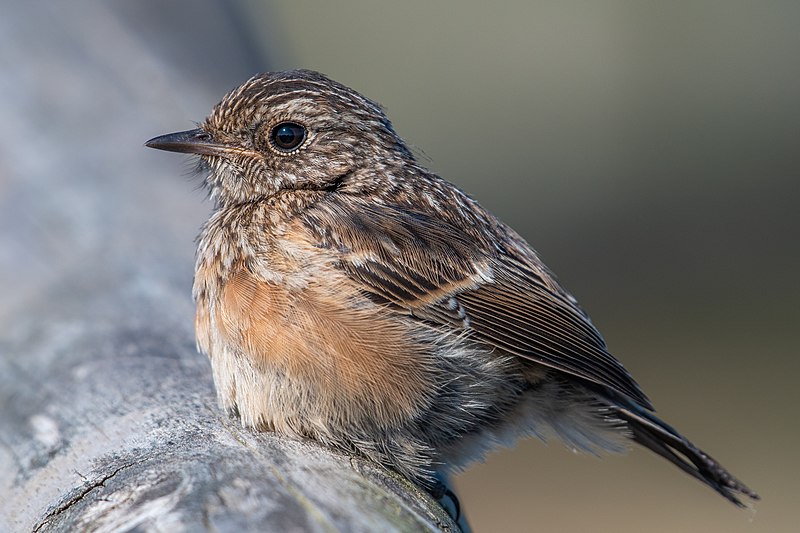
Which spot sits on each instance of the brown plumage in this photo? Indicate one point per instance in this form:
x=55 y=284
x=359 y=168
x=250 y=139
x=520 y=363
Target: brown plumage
x=347 y=294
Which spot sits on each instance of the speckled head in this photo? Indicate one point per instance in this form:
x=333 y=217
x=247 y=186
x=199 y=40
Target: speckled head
x=287 y=130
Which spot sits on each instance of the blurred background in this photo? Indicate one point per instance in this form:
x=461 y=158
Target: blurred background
x=649 y=151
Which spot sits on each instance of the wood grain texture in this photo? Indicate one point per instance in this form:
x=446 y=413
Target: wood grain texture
x=109 y=423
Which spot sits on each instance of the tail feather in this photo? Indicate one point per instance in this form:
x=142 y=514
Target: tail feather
x=649 y=431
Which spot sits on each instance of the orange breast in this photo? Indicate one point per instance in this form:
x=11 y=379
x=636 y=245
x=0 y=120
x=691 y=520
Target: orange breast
x=357 y=361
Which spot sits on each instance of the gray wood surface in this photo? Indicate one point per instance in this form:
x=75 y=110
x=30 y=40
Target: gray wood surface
x=110 y=424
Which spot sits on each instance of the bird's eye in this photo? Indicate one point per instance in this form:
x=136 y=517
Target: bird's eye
x=287 y=136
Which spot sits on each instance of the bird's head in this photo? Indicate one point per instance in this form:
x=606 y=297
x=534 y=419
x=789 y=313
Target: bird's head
x=287 y=130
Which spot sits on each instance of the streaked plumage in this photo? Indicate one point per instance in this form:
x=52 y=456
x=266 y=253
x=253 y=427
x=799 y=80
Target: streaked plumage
x=347 y=294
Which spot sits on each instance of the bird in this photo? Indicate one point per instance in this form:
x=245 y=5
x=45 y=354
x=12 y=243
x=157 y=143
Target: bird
x=347 y=294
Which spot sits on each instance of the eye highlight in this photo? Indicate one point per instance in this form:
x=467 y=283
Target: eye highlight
x=287 y=136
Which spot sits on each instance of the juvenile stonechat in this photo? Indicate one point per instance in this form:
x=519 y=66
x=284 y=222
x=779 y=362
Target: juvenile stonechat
x=348 y=295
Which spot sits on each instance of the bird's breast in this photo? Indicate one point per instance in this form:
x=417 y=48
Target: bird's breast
x=294 y=343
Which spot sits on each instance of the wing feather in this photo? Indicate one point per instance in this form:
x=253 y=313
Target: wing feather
x=498 y=291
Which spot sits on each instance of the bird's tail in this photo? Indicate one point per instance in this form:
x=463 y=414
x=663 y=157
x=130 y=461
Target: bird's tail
x=649 y=431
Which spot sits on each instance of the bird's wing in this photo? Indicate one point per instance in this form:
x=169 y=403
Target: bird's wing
x=503 y=298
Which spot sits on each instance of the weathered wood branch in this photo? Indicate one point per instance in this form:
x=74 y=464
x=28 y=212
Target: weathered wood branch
x=110 y=424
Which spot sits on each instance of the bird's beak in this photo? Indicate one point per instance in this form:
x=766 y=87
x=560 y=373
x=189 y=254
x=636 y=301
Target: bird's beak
x=196 y=141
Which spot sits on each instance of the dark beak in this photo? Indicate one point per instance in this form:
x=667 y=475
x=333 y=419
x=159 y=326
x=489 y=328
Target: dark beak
x=196 y=141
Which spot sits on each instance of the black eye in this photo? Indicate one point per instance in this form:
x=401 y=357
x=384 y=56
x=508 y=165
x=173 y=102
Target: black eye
x=287 y=136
